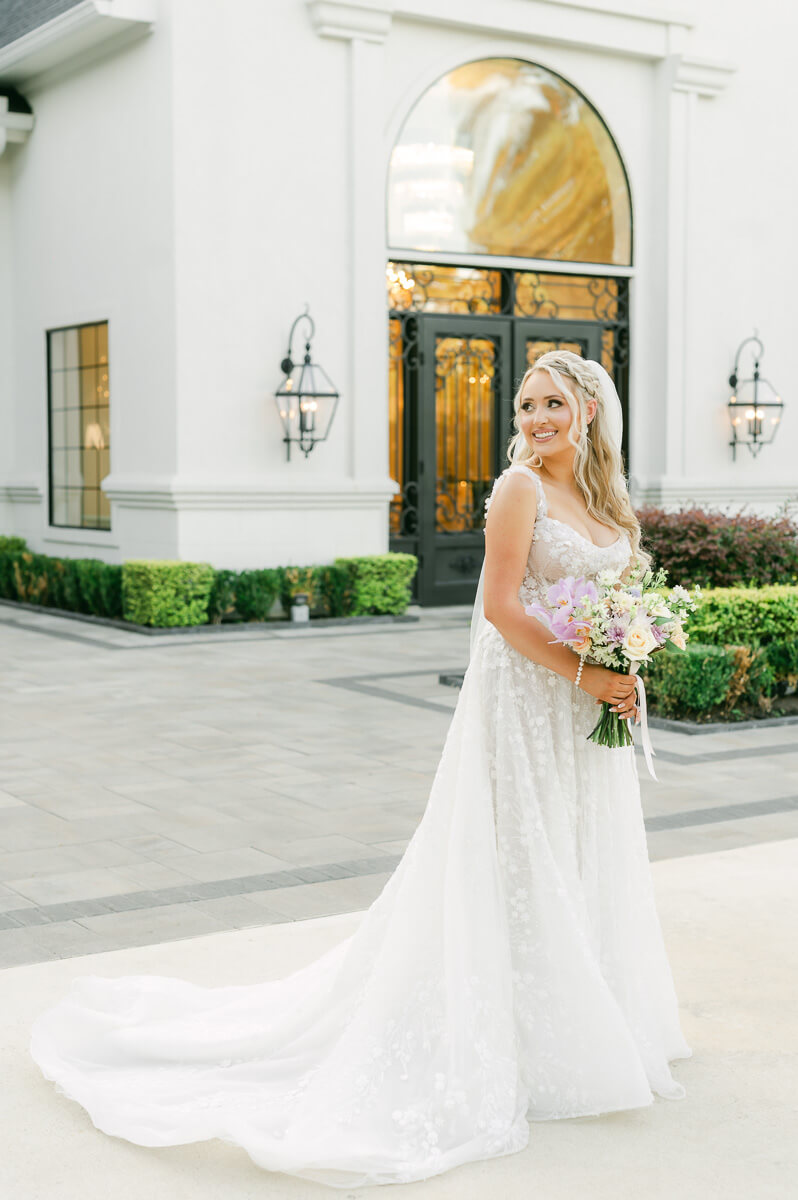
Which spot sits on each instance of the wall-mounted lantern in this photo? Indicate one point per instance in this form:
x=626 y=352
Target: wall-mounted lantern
x=307 y=398
x=754 y=407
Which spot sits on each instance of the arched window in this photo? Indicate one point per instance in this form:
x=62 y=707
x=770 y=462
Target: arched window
x=503 y=157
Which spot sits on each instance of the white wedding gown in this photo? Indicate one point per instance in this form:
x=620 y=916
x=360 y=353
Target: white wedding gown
x=512 y=970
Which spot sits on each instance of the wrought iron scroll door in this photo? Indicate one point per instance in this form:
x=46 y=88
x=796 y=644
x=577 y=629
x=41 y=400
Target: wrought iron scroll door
x=468 y=369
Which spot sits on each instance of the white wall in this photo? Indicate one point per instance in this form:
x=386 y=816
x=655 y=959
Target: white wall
x=744 y=259
x=91 y=224
x=7 y=406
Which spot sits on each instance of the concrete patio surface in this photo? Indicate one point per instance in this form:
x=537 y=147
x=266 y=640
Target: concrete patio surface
x=729 y=921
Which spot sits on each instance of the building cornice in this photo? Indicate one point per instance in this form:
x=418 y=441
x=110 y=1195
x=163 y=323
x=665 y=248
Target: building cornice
x=179 y=495
x=704 y=76
x=629 y=27
x=84 y=27
x=677 y=491
x=364 y=22
x=22 y=492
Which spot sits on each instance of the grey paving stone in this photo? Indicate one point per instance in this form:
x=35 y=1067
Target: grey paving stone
x=238 y=757
x=153 y=925
x=27 y=917
x=17 y=948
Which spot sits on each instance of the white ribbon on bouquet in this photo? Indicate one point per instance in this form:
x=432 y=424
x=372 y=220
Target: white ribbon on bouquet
x=648 y=749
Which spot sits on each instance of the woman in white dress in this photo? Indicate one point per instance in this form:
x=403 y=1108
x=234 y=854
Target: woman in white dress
x=513 y=968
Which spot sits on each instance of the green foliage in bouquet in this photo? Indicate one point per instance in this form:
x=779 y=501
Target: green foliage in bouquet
x=166 y=594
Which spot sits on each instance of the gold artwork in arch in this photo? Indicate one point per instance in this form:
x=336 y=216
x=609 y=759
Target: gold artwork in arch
x=503 y=157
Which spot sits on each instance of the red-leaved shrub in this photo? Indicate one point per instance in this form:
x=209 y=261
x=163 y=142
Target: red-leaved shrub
x=697 y=546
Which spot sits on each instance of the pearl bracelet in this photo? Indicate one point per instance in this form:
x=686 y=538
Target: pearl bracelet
x=579 y=671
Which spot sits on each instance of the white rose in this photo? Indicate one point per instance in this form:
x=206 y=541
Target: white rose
x=639 y=641
x=657 y=607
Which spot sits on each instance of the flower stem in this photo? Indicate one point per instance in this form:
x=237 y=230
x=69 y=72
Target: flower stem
x=611 y=729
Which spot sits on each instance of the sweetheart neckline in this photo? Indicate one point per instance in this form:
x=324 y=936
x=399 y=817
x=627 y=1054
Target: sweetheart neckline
x=546 y=517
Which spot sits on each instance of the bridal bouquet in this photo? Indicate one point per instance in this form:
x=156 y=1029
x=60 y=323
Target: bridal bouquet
x=617 y=625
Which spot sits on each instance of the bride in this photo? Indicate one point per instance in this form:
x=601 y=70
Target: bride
x=513 y=968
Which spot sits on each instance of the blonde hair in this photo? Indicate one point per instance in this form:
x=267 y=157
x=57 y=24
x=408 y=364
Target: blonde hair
x=598 y=465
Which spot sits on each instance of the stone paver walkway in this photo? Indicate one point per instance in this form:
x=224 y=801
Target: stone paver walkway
x=154 y=789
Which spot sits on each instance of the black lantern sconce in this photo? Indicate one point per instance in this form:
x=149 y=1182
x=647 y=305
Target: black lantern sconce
x=754 y=408
x=307 y=398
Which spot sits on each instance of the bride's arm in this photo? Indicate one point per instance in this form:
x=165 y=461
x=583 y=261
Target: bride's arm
x=508 y=535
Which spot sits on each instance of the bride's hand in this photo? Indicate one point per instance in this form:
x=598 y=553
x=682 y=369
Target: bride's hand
x=611 y=686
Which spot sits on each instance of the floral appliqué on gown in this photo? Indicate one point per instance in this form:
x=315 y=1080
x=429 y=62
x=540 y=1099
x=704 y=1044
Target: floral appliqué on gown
x=512 y=969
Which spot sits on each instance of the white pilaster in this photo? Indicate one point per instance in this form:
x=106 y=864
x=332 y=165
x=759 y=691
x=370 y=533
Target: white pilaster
x=680 y=83
x=365 y=30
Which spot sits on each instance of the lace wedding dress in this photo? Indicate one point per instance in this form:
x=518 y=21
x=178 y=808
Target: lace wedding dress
x=512 y=969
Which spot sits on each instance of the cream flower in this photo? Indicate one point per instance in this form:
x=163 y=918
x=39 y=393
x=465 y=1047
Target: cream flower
x=639 y=641
x=677 y=636
x=657 y=606
x=623 y=602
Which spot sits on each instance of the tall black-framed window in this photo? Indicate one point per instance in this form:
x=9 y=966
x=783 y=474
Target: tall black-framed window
x=78 y=403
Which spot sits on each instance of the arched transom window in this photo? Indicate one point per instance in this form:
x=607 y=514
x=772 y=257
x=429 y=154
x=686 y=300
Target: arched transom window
x=503 y=157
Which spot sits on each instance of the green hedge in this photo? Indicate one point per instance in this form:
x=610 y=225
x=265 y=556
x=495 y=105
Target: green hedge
x=746 y=616
x=243 y=595
x=348 y=587
x=707 y=682
x=378 y=584
x=166 y=593
x=84 y=585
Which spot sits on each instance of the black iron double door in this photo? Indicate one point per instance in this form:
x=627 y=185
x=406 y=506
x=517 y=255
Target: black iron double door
x=467 y=372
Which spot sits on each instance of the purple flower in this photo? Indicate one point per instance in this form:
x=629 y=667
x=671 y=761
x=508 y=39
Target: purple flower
x=560 y=594
x=568 y=628
x=542 y=614
x=615 y=634
x=659 y=634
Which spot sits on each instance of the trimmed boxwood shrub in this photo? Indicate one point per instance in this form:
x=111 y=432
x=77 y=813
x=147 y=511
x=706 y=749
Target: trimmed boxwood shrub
x=377 y=584
x=706 y=681
x=254 y=593
x=308 y=580
x=84 y=585
x=222 y=601
x=746 y=616
x=783 y=659
x=698 y=546
x=166 y=593
x=352 y=587
x=10 y=544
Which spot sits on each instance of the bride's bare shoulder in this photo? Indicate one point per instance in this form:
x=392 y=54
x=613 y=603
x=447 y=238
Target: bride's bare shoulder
x=514 y=497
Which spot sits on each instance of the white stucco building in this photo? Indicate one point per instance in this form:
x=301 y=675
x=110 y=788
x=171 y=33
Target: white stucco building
x=179 y=178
